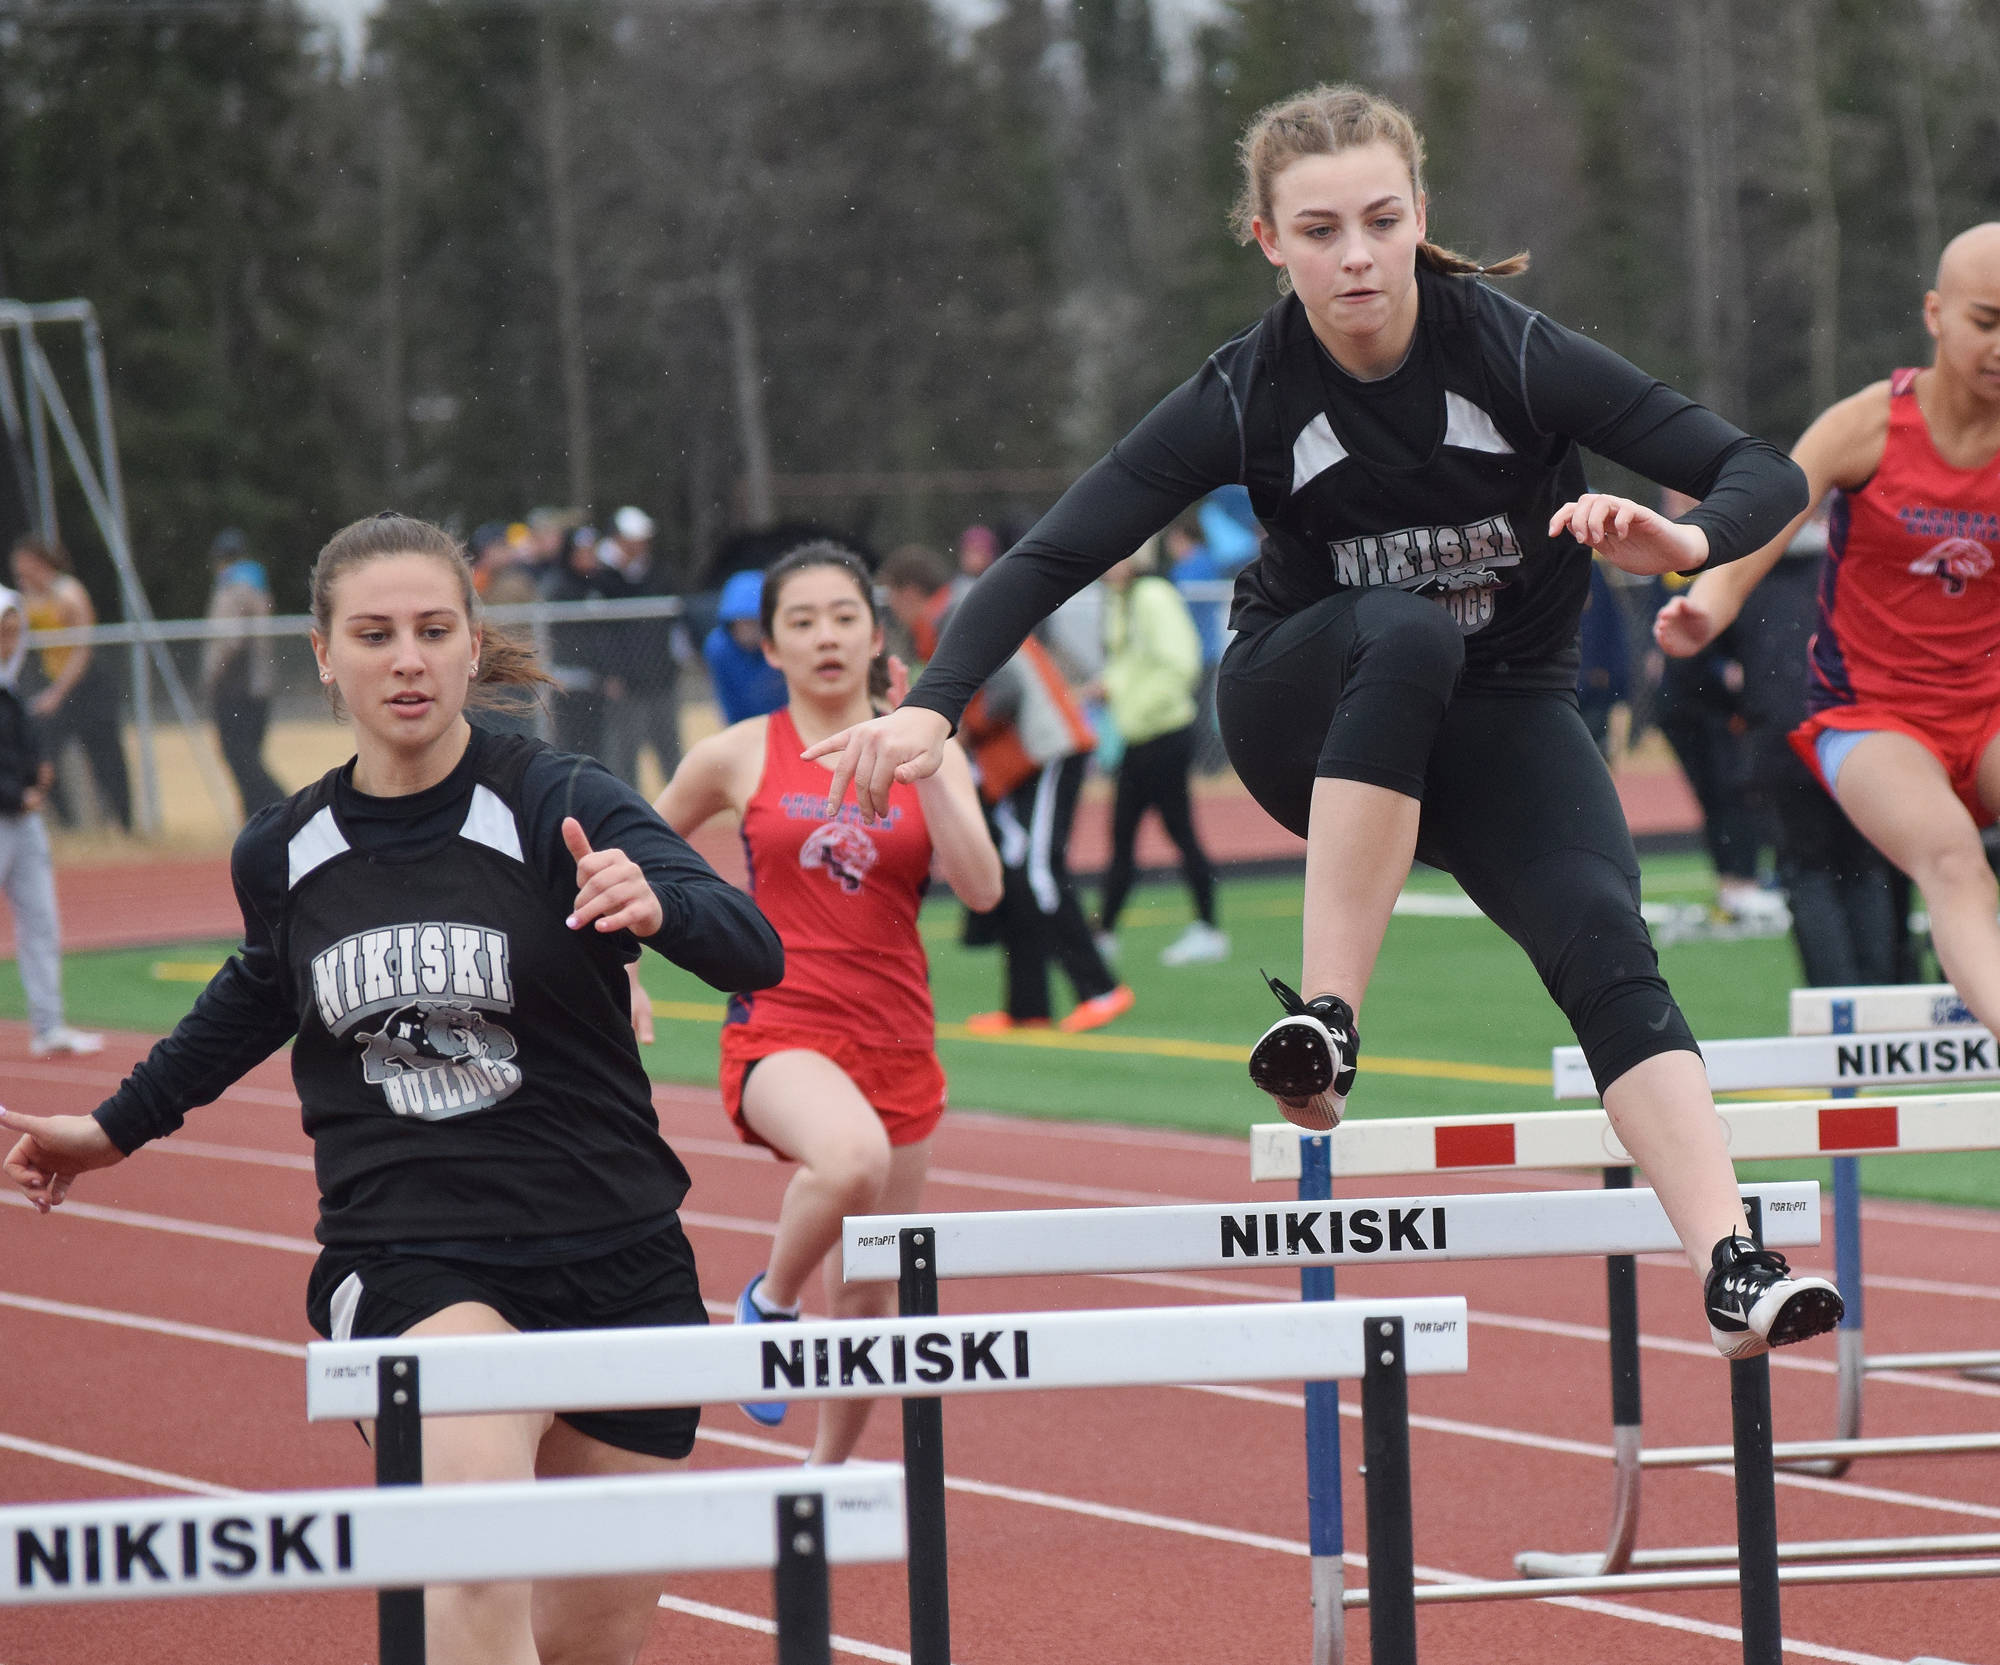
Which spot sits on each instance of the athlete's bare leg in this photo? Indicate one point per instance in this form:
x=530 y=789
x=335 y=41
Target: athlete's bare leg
x=1664 y=1114
x=804 y=1106
x=1360 y=842
x=478 y=1624
x=594 y=1621
x=841 y=1420
x=1899 y=796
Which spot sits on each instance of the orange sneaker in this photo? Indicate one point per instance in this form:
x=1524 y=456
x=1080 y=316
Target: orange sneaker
x=999 y=1023
x=1095 y=1013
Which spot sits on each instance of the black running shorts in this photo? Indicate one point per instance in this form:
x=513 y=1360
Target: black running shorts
x=650 y=1282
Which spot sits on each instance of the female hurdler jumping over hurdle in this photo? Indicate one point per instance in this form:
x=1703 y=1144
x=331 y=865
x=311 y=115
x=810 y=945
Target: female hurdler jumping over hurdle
x=1402 y=678
x=1904 y=692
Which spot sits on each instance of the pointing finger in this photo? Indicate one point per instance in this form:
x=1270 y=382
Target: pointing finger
x=574 y=837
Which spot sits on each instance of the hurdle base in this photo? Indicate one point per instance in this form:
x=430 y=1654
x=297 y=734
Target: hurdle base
x=1537 y=1563
x=1329 y=1581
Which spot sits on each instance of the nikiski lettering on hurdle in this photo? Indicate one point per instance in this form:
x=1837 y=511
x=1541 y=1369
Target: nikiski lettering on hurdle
x=1378 y=1342
x=300 y=1542
x=919 y=1249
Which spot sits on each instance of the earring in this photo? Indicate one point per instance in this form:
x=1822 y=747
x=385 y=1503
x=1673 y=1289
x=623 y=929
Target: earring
x=326 y=676
x=472 y=669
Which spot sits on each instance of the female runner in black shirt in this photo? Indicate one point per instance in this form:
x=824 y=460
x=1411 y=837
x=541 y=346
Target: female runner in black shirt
x=441 y=927
x=1402 y=677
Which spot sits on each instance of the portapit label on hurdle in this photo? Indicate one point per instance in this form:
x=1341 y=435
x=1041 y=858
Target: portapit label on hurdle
x=1217 y=1236
x=260 y=1543
x=1870 y=1009
x=866 y=1358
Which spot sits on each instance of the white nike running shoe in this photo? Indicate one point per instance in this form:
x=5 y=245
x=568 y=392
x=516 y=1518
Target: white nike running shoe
x=1756 y=1302
x=1306 y=1059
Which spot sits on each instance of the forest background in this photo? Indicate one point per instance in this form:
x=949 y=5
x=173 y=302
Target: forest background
x=884 y=265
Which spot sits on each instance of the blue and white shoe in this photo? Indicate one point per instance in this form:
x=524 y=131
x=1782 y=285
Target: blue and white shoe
x=766 y=1413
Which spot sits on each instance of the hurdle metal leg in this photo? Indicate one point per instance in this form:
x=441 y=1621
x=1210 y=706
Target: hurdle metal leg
x=805 y=1611
x=399 y=1461
x=1621 y=1299
x=1847 y=1274
x=1385 y=1442
x=923 y=1471
x=1756 y=1500
x=1324 y=1527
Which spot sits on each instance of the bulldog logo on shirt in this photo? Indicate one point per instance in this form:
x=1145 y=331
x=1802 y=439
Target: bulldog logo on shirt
x=844 y=851
x=1955 y=562
x=438 y=1051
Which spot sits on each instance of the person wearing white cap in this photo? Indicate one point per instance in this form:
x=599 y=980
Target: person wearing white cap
x=642 y=657
x=25 y=870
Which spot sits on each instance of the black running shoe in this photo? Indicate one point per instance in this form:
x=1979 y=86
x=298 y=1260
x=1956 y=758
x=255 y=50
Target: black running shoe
x=1756 y=1302
x=1306 y=1059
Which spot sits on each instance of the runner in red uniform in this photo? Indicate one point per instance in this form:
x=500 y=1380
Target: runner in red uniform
x=835 y=1068
x=1904 y=724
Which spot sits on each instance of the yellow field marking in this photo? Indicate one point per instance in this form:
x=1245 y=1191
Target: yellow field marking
x=185 y=971
x=1138 y=1046
x=1151 y=1046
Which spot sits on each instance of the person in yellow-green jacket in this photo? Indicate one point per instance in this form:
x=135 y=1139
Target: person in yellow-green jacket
x=1152 y=670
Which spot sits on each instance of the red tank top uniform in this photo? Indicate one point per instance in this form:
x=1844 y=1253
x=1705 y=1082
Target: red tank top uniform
x=1909 y=604
x=843 y=895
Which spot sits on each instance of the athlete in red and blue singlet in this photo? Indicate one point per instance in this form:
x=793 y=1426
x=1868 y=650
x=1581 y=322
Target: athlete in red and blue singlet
x=1909 y=632
x=1904 y=729
x=843 y=894
x=834 y=1068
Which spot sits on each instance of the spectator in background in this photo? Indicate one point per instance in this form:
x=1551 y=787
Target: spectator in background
x=78 y=700
x=577 y=647
x=25 y=870
x=1701 y=712
x=1152 y=667
x=238 y=676
x=642 y=667
x=1210 y=546
x=501 y=578
x=746 y=683
x=1030 y=747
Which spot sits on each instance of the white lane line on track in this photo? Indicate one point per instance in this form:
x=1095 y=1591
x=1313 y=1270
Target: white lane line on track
x=768 y=1627
x=155 y=1326
x=109 y=1465
x=179 y=1228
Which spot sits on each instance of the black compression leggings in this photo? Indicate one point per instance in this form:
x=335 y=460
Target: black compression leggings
x=1517 y=804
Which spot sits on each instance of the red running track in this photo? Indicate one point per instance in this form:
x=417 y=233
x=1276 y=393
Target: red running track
x=150 y=1339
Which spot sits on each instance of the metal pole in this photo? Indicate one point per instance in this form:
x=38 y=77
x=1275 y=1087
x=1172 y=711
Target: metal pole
x=805 y=1613
x=1621 y=1297
x=1756 y=1500
x=38 y=436
x=1385 y=1442
x=399 y=1461
x=1323 y=1503
x=136 y=605
x=923 y=1471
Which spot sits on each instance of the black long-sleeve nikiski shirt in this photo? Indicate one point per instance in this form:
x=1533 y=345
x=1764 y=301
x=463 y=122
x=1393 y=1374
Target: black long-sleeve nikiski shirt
x=1440 y=477
x=465 y=1062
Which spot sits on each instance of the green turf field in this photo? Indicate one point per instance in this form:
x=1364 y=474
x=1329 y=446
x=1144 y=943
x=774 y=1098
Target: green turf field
x=1456 y=1021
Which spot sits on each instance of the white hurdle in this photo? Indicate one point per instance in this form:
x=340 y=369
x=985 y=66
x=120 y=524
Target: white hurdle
x=920 y=1357
x=1317 y=1234
x=291 y=1542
